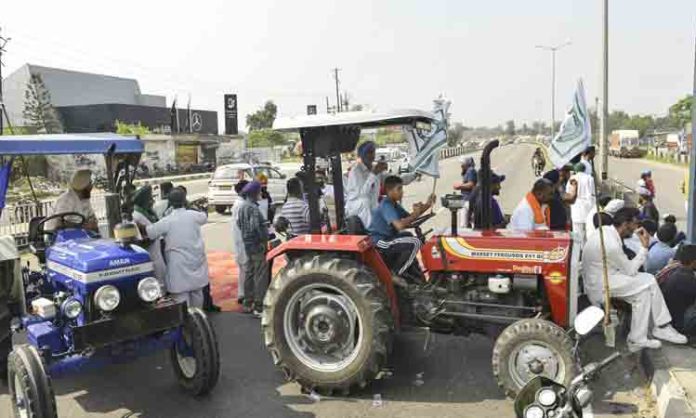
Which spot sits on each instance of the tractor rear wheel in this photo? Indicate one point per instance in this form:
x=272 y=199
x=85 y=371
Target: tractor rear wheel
x=30 y=387
x=530 y=348
x=327 y=323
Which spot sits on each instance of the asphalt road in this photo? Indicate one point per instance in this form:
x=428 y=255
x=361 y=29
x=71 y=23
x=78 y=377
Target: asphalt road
x=449 y=378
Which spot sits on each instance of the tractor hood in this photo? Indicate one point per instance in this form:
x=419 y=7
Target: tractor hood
x=88 y=260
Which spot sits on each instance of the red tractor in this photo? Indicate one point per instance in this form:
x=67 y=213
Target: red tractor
x=331 y=313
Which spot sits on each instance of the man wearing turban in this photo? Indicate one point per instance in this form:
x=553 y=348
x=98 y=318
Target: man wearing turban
x=77 y=199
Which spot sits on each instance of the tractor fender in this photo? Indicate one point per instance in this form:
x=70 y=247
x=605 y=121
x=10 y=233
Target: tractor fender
x=360 y=245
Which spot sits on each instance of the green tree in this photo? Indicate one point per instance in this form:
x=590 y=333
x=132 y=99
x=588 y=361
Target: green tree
x=123 y=128
x=680 y=112
x=510 y=128
x=262 y=118
x=259 y=138
x=455 y=134
x=38 y=109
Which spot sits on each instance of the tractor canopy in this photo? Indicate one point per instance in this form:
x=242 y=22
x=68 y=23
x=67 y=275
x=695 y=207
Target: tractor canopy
x=329 y=135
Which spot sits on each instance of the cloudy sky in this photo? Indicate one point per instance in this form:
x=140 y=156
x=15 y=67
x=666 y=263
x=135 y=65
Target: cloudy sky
x=392 y=53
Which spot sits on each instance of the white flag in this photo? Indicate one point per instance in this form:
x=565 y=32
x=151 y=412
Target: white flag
x=424 y=147
x=575 y=134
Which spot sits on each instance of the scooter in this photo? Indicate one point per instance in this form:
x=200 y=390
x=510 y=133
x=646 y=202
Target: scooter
x=544 y=398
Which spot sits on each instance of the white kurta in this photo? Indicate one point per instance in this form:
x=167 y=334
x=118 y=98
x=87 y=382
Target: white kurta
x=155 y=250
x=522 y=218
x=584 y=203
x=588 y=166
x=69 y=201
x=625 y=282
x=160 y=207
x=362 y=191
x=240 y=256
x=187 y=265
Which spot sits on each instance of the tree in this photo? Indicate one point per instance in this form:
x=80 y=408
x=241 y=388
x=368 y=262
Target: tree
x=262 y=118
x=510 y=128
x=356 y=108
x=680 y=112
x=123 y=128
x=259 y=138
x=455 y=134
x=38 y=109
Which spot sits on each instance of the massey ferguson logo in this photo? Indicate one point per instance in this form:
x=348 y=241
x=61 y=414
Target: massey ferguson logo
x=119 y=262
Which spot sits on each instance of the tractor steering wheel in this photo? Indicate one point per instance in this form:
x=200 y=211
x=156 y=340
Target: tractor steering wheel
x=63 y=216
x=421 y=220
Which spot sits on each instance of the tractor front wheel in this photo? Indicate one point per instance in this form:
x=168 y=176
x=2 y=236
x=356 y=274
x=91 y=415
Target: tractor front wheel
x=30 y=387
x=530 y=348
x=327 y=323
x=195 y=357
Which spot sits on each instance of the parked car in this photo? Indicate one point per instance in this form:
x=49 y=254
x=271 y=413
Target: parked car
x=221 y=194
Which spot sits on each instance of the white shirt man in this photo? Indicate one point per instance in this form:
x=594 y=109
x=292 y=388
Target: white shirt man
x=76 y=199
x=532 y=211
x=240 y=256
x=362 y=188
x=625 y=282
x=584 y=201
x=187 y=265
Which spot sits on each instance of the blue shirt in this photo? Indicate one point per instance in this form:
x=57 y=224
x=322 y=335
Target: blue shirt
x=381 y=228
x=658 y=257
x=469 y=175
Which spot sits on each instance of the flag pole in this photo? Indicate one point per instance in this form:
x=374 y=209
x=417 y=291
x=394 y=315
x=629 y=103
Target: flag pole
x=432 y=208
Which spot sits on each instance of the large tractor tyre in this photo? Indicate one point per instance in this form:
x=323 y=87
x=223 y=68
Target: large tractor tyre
x=30 y=387
x=221 y=209
x=327 y=323
x=530 y=348
x=196 y=358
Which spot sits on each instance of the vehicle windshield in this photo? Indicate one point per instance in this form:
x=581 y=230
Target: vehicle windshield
x=230 y=173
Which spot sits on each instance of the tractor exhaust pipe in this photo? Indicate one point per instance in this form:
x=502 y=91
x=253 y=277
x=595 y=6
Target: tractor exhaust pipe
x=486 y=221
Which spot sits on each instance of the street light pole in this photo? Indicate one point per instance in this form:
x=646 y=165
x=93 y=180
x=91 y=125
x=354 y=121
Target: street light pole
x=691 y=209
x=553 y=50
x=604 y=119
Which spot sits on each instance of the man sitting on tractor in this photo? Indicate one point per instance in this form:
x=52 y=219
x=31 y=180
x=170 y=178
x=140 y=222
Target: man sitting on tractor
x=77 y=199
x=626 y=283
x=389 y=220
x=533 y=211
x=362 y=188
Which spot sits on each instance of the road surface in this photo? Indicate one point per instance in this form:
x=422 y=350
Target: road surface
x=450 y=378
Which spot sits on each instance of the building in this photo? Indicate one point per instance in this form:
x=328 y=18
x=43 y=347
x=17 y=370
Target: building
x=88 y=102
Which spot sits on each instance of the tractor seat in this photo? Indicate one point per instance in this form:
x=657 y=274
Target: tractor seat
x=37 y=244
x=354 y=226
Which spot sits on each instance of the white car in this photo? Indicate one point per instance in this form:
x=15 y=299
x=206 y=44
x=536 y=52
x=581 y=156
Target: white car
x=221 y=194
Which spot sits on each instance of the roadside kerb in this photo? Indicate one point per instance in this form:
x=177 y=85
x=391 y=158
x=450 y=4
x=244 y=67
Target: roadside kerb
x=669 y=393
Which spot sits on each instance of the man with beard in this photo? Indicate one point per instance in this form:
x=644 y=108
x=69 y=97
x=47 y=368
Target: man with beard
x=77 y=199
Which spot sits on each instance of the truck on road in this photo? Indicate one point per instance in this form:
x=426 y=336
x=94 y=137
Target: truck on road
x=624 y=143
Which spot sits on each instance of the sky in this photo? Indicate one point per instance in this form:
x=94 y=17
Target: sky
x=392 y=53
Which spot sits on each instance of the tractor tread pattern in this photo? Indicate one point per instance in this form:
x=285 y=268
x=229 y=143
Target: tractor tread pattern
x=364 y=281
x=27 y=364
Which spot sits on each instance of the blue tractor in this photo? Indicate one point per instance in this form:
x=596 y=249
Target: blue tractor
x=92 y=300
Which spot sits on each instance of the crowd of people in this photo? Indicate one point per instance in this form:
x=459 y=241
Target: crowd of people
x=648 y=265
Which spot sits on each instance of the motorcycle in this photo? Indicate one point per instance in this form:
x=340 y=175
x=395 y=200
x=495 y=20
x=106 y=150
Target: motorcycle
x=541 y=397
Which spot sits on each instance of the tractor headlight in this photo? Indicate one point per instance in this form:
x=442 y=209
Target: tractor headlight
x=149 y=289
x=534 y=411
x=546 y=397
x=107 y=298
x=71 y=308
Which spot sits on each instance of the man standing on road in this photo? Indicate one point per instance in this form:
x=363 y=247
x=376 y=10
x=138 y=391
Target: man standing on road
x=626 y=283
x=77 y=199
x=362 y=189
x=389 y=220
x=187 y=265
x=469 y=180
x=533 y=213
x=162 y=204
x=587 y=159
x=584 y=202
x=255 y=236
x=238 y=242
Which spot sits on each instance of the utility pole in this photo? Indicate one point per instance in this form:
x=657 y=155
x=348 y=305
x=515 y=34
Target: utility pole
x=328 y=108
x=553 y=50
x=691 y=210
x=604 y=120
x=3 y=42
x=338 y=95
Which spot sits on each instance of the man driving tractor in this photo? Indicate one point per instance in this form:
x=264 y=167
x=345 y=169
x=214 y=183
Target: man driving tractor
x=533 y=212
x=389 y=220
x=77 y=199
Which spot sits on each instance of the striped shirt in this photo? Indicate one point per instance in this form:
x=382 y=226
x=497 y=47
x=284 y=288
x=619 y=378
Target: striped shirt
x=296 y=211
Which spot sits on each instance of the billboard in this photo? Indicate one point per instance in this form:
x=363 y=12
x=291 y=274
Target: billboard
x=231 y=127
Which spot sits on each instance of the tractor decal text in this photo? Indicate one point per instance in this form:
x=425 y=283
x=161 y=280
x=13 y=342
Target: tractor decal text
x=458 y=247
x=99 y=276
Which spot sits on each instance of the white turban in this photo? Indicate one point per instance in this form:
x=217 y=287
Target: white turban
x=613 y=206
x=81 y=179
